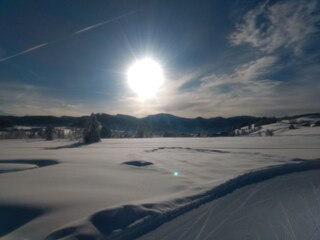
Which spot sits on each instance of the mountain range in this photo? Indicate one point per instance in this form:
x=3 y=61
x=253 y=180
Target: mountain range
x=156 y=123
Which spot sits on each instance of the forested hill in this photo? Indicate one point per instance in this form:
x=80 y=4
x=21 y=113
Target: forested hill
x=159 y=122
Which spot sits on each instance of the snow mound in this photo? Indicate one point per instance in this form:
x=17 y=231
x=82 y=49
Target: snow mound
x=15 y=165
x=138 y=163
x=107 y=223
x=113 y=220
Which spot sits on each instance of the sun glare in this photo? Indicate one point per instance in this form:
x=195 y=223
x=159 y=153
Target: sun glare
x=145 y=77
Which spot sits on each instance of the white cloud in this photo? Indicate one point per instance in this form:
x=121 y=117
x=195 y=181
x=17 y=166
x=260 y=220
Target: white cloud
x=286 y=24
x=245 y=91
x=240 y=92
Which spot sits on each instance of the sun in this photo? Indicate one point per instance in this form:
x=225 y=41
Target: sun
x=145 y=77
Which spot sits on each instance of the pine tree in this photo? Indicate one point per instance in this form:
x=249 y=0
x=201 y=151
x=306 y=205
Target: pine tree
x=91 y=131
x=105 y=132
x=49 y=132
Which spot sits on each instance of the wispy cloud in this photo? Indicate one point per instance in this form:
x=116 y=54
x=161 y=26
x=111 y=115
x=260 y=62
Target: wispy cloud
x=243 y=74
x=286 y=24
x=246 y=90
x=241 y=91
x=25 y=99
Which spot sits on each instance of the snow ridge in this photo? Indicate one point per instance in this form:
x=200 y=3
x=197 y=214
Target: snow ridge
x=134 y=221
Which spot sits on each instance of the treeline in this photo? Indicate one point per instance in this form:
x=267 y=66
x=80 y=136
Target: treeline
x=124 y=126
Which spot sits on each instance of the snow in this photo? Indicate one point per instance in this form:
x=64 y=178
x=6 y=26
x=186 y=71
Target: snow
x=282 y=129
x=87 y=190
x=286 y=207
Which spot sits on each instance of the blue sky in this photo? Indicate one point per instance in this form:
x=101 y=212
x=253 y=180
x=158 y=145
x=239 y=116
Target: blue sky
x=220 y=58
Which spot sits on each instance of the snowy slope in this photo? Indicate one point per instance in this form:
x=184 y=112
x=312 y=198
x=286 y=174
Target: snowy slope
x=285 y=207
x=60 y=189
x=282 y=129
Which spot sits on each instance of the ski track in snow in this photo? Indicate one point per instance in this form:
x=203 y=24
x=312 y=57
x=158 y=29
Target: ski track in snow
x=281 y=216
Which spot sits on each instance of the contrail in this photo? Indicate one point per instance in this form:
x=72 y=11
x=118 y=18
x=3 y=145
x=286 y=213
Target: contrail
x=26 y=51
x=75 y=33
x=105 y=22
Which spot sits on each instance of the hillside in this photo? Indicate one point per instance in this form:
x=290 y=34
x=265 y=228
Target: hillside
x=153 y=123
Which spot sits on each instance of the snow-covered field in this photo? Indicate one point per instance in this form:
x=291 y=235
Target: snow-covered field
x=124 y=188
